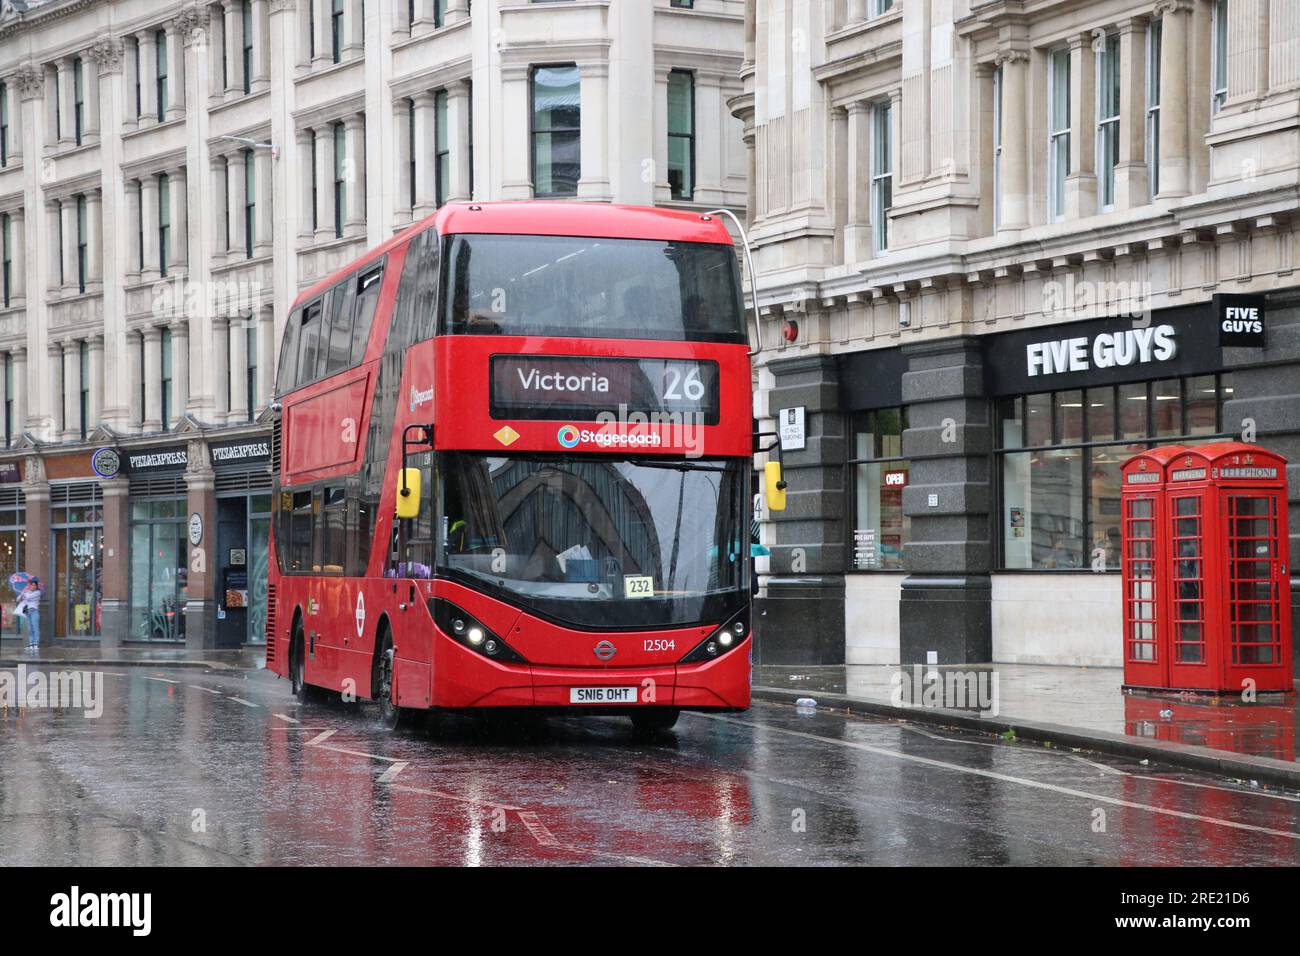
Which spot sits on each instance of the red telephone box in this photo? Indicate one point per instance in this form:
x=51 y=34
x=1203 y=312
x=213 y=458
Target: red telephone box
x=1222 y=584
x=1146 y=659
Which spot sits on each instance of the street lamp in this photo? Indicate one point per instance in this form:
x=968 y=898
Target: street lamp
x=253 y=144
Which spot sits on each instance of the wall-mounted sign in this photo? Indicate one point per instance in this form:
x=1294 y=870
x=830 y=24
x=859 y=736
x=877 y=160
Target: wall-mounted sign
x=156 y=459
x=1240 y=319
x=11 y=471
x=196 y=528
x=238 y=557
x=790 y=427
x=1169 y=343
x=106 y=462
x=238 y=452
x=896 y=478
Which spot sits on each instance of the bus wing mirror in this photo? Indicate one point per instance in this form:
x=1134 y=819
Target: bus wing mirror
x=775 y=486
x=408 y=493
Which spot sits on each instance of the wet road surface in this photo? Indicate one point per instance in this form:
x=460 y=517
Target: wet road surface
x=193 y=767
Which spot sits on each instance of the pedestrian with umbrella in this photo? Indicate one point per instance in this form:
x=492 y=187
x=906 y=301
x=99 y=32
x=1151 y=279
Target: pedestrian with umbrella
x=29 y=605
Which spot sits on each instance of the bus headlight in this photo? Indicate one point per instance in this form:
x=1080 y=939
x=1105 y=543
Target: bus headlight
x=470 y=633
x=725 y=638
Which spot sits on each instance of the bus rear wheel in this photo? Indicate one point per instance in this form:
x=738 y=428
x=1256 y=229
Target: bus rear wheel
x=303 y=691
x=657 y=721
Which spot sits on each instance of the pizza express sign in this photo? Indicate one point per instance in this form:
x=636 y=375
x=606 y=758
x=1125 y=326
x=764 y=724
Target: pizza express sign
x=1175 y=342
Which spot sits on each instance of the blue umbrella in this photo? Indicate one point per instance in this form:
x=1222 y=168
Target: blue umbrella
x=19 y=580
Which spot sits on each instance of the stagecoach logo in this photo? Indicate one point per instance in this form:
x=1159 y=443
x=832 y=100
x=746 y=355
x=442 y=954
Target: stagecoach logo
x=506 y=435
x=419 y=398
x=605 y=650
x=568 y=436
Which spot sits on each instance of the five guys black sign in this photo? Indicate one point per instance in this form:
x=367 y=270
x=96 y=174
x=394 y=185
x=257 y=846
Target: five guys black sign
x=1240 y=319
x=583 y=387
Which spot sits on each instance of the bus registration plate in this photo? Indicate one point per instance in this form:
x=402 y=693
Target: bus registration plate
x=602 y=695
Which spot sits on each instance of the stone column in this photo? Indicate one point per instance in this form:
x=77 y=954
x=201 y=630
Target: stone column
x=15 y=105
x=115 y=596
x=457 y=10
x=306 y=174
x=149 y=222
x=220 y=364
x=1013 y=176
x=180 y=397
x=426 y=181
x=90 y=81
x=135 y=360
x=234 y=49
x=516 y=161
x=56 y=421
x=801 y=620
x=1081 y=181
x=402 y=139
x=66 y=68
x=68 y=218
x=20 y=389
x=54 y=122
x=18 y=257
x=946 y=600
x=857 y=230
x=354 y=29
x=178 y=195
x=94 y=240
x=324 y=55
x=72 y=390
x=54 y=245
x=236 y=192
x=239 y=397
x=263 y=212
x=266 y=349
x=354 y=215
x=130 y=77
x=662 y=190
x=324 y=183
x=1175 y=158
x=1131 y=188
x=174 y=108
x=95 y=405
x=220 y=209
x=134 y=263
x=261 y=79
x=217 y=52
x=201 y=586
x=459 y=127
x=709 y=130
x=148 y=78
x=153 y=379
x=593 y=181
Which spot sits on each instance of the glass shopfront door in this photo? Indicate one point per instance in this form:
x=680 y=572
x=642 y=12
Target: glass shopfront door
x=158 y=570
x=76 y=559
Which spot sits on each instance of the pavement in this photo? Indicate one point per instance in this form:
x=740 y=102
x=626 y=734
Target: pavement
x=1077 y=707
x=1080 y=708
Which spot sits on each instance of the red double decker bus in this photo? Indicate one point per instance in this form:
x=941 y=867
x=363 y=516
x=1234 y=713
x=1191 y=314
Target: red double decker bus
x=513 y=463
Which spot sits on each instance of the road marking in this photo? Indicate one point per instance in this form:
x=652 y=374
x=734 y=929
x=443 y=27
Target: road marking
x=320 y=737
x=537 y=828
x=246 y=703
x=456 y=797
x=357 y=753
x=1007 y=778
x=287 y=719
x=206 y=690
x=161 y=680
x=388 y=775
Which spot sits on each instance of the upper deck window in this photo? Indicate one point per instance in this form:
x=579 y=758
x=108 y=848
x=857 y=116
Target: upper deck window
x=587 y=287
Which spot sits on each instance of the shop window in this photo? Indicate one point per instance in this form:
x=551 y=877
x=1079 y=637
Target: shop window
x=878 y=473
x=1060 y=457
x=159 y=569
x=13 y=539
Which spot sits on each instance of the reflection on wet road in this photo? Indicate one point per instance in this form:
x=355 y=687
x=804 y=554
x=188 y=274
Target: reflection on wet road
x=200 y=767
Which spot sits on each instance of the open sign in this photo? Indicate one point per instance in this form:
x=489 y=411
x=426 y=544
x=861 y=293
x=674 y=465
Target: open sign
x=895 y=479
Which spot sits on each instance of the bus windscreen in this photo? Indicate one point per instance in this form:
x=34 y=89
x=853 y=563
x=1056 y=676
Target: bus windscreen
x=568 y=286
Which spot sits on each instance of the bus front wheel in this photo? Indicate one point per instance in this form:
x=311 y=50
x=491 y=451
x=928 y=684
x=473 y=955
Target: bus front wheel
x=655 y=721
x=390 y=715
x=303 y=691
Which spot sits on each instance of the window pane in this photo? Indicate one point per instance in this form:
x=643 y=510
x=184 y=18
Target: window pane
x=880 y=527
x=1202 y=405
x=340 y=334
x=1042 y=515
x=1104 y=499
x=1069 y=417
x=1038 y=430
x=1011 y=413
x=1133 y=411
x=556 y=117
x=1168 y=408
x=1101 y=413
